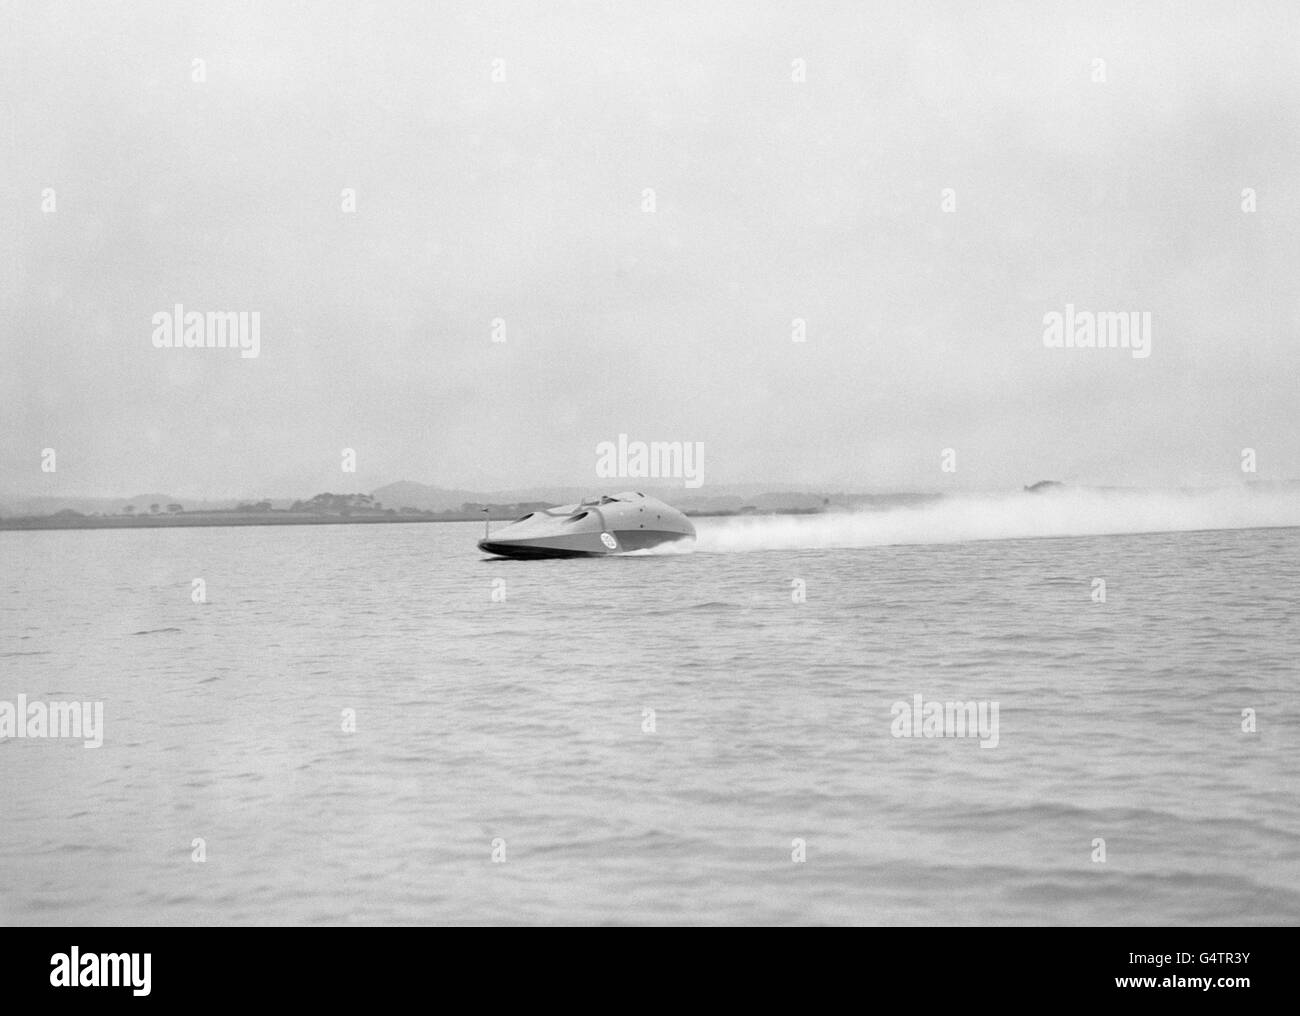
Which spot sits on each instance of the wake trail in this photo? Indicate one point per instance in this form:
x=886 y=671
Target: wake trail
x=962 y=517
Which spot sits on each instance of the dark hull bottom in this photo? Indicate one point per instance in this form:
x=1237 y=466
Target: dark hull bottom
x=518 y=550
x=627 y=541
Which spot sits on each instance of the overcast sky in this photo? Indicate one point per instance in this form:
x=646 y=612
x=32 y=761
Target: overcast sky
x=523 y=199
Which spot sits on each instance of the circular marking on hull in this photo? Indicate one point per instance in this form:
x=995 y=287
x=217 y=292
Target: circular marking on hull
x=608 y=540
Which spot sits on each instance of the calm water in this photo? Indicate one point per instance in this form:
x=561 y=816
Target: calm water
x=523 y=720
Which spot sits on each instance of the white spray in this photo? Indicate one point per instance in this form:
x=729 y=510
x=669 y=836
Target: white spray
x=962 y=517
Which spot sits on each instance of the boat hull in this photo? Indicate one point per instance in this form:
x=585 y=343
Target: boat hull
x=618 y=524
x=578 y=545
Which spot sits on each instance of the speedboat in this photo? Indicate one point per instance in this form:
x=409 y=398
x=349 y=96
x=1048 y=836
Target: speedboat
x=595 y=527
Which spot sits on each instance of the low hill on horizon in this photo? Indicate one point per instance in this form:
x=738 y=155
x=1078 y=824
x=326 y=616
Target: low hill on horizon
x=49 y=504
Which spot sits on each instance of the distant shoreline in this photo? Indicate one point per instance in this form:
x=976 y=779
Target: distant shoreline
x=191 y=519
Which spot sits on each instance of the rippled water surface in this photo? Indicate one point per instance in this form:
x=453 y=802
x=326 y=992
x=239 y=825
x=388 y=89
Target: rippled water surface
x=524 y=721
